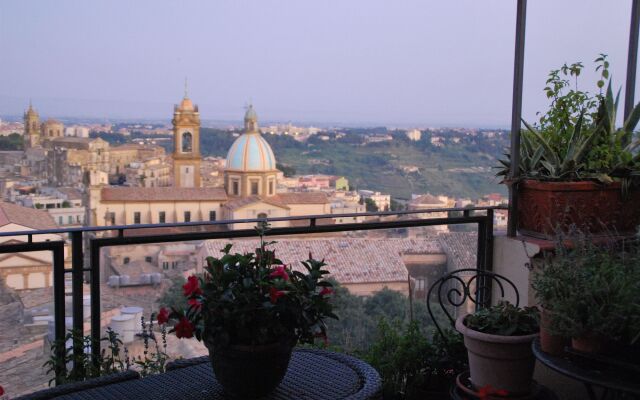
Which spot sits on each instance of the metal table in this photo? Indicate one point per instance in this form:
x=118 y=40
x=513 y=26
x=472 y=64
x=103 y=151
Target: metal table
x=312 y=375
x=616 y=382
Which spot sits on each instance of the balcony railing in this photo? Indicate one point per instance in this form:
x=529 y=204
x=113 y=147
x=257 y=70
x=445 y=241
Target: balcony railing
x=93 y=239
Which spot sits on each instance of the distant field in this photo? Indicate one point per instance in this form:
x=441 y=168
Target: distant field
x=379 y=167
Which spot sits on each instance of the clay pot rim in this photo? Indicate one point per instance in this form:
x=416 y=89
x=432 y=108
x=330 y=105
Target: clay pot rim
x=487 y=337
x=569 y=186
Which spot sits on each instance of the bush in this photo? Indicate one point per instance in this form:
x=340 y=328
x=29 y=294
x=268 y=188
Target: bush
x=411 y=365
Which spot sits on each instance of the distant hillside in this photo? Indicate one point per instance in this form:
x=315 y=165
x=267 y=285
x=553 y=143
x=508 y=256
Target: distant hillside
x=399 y=166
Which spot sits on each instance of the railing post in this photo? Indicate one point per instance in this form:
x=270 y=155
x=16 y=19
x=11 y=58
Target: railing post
x=95 y=301
x=516 y=115
x=77 y=278
x=488 y=255
x=58 y=309
x=632 y=59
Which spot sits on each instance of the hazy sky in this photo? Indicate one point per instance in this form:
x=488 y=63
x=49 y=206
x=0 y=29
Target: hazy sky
x=423 y=62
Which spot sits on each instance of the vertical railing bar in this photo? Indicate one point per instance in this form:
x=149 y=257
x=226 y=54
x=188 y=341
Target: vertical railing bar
x=59 y=309
x=488 y=256
x=94 y=260
x=516 y=116
x=29 y=238
x=632 y=59
x=312 y=222
x=480 y=262
x=77 y=277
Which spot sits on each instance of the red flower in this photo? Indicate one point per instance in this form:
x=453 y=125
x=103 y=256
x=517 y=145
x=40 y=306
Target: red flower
x=487 y=390
x=184 y=328
x=1 y=391
x=195 y=303
x=275 y=294
x=163 y=316
x=324 y=337
x=192 y=287
x=280 y=272
x=326 y=291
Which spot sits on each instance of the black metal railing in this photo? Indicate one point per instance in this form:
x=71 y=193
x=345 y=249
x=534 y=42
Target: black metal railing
x=95 y=238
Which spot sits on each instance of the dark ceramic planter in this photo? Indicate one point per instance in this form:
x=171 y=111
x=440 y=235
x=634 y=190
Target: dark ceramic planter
x=547 y=208
x=250 y=372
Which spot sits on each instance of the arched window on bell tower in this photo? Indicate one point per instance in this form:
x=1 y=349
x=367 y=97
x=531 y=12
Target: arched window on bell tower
x=187 y=142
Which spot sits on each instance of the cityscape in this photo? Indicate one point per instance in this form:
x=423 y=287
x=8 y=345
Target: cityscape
x=301 y=182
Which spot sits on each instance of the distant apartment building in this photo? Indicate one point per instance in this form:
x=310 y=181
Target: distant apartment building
x=492 y=200
x=339 y=206
x=427 y=202
x=381 y=200
x=154 y=172
x=414 y=134
x=77 y=131
x=28 y=270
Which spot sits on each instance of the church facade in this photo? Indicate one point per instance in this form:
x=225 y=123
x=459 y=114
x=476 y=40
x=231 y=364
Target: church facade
x=250 y=184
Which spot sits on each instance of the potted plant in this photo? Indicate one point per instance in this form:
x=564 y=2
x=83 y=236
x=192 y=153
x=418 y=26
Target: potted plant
x=576 y=167
x=600 y=308
x=550 y=286
x=498 y=341
x=250 y=310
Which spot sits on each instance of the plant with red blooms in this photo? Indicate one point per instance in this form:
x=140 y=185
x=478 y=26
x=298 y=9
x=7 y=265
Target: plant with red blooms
x=254 y=299
x=488 y=392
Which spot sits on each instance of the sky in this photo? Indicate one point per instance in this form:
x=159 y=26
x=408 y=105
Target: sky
x=354 y=62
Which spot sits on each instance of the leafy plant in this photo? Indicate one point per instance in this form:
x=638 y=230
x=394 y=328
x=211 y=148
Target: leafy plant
x=505 y=319
x=602 y=297
x=82 y=364
x=253 y=299
x=114 y=358
x=154 y=358
x=411 y=364
x=577 y=139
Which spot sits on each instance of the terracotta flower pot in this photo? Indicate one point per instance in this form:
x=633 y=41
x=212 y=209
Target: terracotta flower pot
x=550 y=343
x=501 y=362
x=596 y=209
x=590 y=344
x=250 y=372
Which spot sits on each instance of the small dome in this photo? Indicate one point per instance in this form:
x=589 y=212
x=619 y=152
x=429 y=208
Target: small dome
x=250 y=152
x=186 y=104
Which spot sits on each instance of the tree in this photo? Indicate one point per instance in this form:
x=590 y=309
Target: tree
x=396 y=205
x=173 y=296
x=286 y=169
x=371 y=205
x=11 y=142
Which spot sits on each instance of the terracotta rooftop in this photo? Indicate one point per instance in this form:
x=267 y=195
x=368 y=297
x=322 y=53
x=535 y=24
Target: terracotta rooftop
x=163 y=194
x=348 y=260
x=460 y=248
x=25 y=216
x=302 y=198
x=242 y=202
x=71 y=193
x=427 y=199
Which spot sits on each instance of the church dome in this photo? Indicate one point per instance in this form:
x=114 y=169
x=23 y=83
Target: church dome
x=250 y=152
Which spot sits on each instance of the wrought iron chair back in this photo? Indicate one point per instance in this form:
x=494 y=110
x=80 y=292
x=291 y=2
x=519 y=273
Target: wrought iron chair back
x=456 y=288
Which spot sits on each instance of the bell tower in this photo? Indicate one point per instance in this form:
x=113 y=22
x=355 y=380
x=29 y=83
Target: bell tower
x=31 y=135
x=186 y=140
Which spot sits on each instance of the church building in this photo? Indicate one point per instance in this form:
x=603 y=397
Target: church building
x=250 y=184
